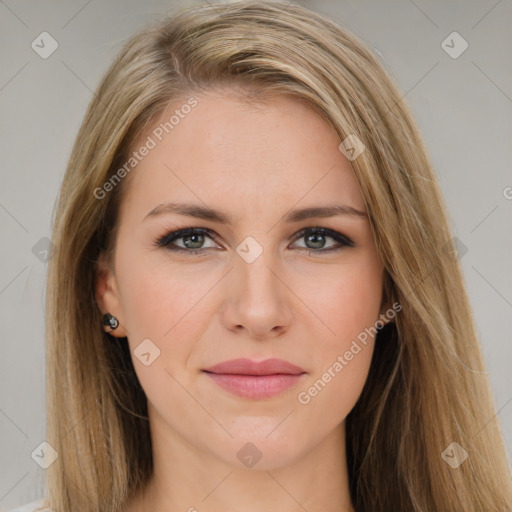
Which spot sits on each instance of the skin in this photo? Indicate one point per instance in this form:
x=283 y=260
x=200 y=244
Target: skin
x=293 y=302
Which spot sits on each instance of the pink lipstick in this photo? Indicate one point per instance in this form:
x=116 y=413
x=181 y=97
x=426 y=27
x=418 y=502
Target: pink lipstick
x=255 y=380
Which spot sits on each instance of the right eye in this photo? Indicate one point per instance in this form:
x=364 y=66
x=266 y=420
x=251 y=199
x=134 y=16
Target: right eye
x=193 y=239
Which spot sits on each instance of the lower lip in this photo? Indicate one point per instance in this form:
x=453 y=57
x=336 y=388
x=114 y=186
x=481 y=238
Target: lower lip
x=255 y=386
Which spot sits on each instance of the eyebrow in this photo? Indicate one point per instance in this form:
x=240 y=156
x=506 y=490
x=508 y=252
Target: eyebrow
x=206 y=213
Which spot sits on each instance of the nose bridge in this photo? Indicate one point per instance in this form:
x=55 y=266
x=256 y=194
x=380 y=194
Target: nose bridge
x=253 y=268
x=259 y=303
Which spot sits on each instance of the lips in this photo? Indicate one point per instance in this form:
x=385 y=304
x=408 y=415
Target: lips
x=255 y=380
x=248 y=367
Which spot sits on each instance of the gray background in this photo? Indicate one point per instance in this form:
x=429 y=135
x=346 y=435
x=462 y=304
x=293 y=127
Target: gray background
x=463 y=106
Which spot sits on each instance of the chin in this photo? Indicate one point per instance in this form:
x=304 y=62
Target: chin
x=261 y=451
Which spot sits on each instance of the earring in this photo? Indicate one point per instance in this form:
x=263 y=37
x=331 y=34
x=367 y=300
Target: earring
x=110 y=321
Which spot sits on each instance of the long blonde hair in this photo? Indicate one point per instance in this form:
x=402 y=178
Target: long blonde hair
x=426 y=388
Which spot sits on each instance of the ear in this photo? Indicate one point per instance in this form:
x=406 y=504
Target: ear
x=107 y=294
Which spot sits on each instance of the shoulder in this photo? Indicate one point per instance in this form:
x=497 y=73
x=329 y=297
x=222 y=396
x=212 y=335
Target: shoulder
x=34 y=506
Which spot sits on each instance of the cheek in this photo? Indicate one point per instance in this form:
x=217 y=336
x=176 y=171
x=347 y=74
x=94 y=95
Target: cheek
x=342 y=363
x=168 y=306
x=165 y=309
x=349 y=306
x=347 y=300
x=330 y=395
x=158 y=298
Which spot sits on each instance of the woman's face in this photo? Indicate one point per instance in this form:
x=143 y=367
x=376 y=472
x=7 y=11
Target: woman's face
x=255 y=290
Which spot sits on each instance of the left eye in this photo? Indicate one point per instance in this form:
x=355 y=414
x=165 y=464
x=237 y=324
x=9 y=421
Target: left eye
x=317 y=236
x=193 y=239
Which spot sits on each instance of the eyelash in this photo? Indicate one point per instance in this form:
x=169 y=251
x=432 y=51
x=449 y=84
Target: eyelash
x=171 y=236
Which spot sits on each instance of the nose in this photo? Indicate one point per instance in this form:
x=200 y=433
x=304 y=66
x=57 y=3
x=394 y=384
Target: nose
x=257 y=300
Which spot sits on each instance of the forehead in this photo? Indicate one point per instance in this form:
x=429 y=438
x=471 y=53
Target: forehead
x=226 y=152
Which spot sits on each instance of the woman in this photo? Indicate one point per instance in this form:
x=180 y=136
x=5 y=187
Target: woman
x=255 y=303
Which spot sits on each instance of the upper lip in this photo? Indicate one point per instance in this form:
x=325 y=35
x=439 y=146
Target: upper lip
x=247 y=367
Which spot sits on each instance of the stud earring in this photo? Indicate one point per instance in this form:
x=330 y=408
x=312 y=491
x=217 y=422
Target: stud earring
x=110 y=321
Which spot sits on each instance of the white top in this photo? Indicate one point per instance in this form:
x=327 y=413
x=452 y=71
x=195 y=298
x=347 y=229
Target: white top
x=32 y=507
